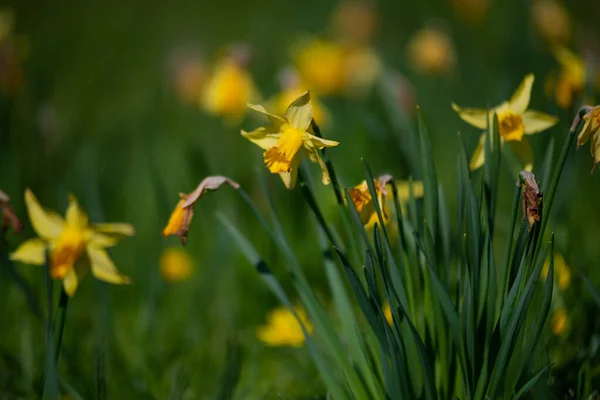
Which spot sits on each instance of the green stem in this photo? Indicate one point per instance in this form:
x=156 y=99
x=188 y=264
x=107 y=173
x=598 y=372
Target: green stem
x=332 y=175
x=508 y=249
x=61 y=316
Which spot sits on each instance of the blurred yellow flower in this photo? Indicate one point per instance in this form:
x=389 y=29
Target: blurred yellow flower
x=320 y=64
x=68 y=240
x=551 y=20
x=228 y=89
x=292 y=88
x=188 y=74
x=559 y=321
x=570 y=80
x=175 y=264
x=355 y=21
x=287 y=138
x=591 y=128
x=283 y=329
x=181 y=217
x=387 y=312
x=472 y=11
x=561 y=271
x=361 y=197
x=430 y=51
x=515 y=121
x=362 y=67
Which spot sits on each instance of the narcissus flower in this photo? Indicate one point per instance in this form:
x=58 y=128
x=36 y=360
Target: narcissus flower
x=229 y=88
x=283 y=329
x=559 y=321
x=320 y=64
x=69 y=240
x=175 y=264
x=561 y=271
x=515 y=121
x=430 y=51
x=570 y=80
x=361 y=197
x=287 y=138
x=591 y=128
x=551 y=20
x=181 y=218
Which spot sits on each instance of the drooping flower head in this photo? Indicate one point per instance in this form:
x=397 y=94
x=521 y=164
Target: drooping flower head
x=363 y=202
x=71 y=242
x=515 y=121
x=591 y=128
x=287 y=138
x=283 y=329
x=181 y=217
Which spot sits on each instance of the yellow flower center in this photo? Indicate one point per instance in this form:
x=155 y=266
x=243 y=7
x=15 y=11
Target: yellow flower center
x=511 y=126
x=68 y=248
x=279 y=158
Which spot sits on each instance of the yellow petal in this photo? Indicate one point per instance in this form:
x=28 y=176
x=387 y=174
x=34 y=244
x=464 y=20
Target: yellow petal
x=262 y=137
x=522 y=150
x=571 y=63
x=520 y=99
x=321 y=143
x=300 y=113
x=32 y=251
x=474 y=116
x=103 y=268
x=536 y=121
x=478 y=157
x=404 y=190
x=75 y=215
x=275 y=119
x=289 y=178
x=115 y=229
x=47 y=224
x=313 y=155
x=70 y=282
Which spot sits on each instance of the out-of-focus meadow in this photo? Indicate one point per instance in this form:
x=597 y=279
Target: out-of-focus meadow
x=126 y=104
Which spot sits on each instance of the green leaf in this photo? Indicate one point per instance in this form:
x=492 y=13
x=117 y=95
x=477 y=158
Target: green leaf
x=430 y=183
x=531 y=383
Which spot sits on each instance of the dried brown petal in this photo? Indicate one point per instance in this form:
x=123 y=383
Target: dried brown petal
x=532 y=198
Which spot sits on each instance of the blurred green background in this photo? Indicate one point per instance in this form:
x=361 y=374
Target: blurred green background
x=99 y=114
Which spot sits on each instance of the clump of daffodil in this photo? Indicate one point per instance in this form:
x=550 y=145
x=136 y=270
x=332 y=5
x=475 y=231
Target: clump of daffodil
x=292 y=88
x=561 y=270
x=175 y=264
x=591 y=128
x=181 y=217
x=230 y=86
x=363 y=202
x=431 y=51
x=471 y=11
x=287 y=138
x=559 y=321
x=551 y=21
x=569 y=82
x=71 y=243
x=283 y=329
x=515 y=121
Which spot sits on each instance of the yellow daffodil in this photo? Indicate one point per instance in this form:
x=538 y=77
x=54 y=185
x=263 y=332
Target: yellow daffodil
x=515 y=121
x=387 y=312
x=181 y=217
x=228 y=89
x=175 y=264
x=361 y=197
x=552 y=21
x=320 y=64
x=355 y=21
x=430 y=51
x=68 y=240
x=292 y=88
x=561 y=271
x=471 y=11
x=283 y=329
x=287 y=138
x=9 y=218
x=591 y=128
x=569 y=82
x=559 y=321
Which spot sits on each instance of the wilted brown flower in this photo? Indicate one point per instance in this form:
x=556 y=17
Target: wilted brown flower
x=532 y=198
x=9 y=218
x=181 y=218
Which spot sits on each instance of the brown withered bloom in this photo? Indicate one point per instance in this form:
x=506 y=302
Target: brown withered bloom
x=181 y=218
x=9 y=218
x=532 y=198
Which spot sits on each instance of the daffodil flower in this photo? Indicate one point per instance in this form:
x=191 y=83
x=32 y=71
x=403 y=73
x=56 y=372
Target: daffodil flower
x=515 y=121
x=283 y=328
x=570 y=80
x=68 y=240
x=361 y=197
x=591 y=128
x=287 y=138
x=320 y=64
